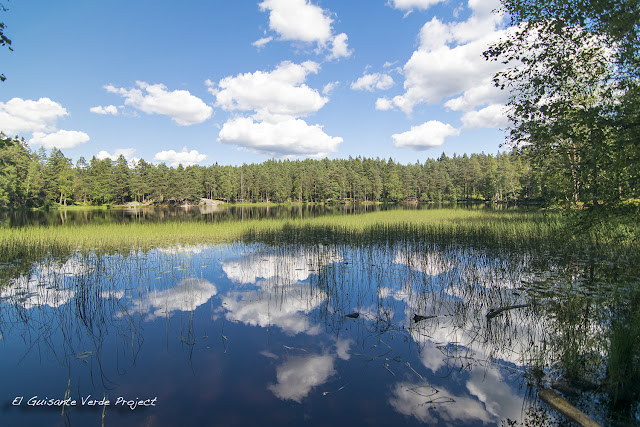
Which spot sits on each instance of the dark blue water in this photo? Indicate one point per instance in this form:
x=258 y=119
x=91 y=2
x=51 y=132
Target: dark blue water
x=254 y=334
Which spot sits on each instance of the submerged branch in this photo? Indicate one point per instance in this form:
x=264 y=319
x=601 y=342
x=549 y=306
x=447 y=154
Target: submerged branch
x=495 y=311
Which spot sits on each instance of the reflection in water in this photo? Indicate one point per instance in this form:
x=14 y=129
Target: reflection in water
x=282 y=299
x=198 y=213
x=299 y=374
x=283 y=269
x=270 y=308
x=186 y=296
x=434 y=405
x=273 y=332
x=44 y=285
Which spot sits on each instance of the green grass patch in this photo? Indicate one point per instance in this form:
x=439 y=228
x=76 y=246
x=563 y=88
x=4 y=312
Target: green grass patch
x=503 y=227
x=28 y=242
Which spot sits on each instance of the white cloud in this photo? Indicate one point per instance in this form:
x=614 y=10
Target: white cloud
x=109 y=109
x=260 y=43
x=427 y=135
x=384 y=104
x=19 y=115
x=274 y=94
x=339 y=47
x=479 y=95
x=277 y=98
x=184 y=157
x=449 y=61
x=329 y=87
x=370 y=82
x=290 y=137
x=60 y=139
x=493 y=116
x=182 y=107
x=413 y=4
x=298 y=375
x=126 y=152
x=300 y=20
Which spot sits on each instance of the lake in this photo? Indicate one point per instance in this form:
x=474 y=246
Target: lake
x=311 y=331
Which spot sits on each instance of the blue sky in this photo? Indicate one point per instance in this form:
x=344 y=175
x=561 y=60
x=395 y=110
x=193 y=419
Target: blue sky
x=242 y=81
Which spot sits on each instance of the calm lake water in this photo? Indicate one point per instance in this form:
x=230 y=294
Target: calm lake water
x=250 y=333
x=202 y=213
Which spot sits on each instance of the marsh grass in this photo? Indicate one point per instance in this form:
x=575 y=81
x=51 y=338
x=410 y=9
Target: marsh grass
x=34 y=242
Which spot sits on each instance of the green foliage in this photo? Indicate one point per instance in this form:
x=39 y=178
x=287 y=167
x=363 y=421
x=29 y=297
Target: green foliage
x=4 y=41
x=573 y=76
x=48 y=179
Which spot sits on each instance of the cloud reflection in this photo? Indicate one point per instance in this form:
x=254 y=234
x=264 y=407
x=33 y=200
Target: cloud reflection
x=45 y=285
x=431 y=263
x=285 y=268
x=299 y=374
x=187 y=295
x=267 y=308
x=431 y=406
x=282 y=299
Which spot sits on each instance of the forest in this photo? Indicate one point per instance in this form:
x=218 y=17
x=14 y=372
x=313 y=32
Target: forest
x=36 y=179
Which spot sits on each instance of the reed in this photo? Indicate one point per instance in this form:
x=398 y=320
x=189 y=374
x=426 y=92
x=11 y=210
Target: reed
x=508 y=227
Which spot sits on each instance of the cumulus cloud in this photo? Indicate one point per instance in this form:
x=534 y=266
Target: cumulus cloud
x=298 y=375
x=24 y=115
x=413 y=4
x=182 y=107
x=298 y=20
x=184 y=157
x=340 y=47
x=370 y=82
x=448 y=64
x=290 y=137
x=384 y=104
x=277 y=98
x=60 y=139
x=109 y=109
x=273 y=94
x=126 y=152
x=493 y=116
x=425 y=136
x=302 y=21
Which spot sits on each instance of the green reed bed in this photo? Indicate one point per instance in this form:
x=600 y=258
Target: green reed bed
x=514 y=227
x=394 y=226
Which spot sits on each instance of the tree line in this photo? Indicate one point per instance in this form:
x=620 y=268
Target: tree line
x=35 y=179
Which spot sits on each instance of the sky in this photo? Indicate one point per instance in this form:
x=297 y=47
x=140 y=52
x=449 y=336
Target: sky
x=244 y=81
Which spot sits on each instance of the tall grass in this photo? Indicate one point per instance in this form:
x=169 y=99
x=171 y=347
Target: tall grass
x=514 y=228
x=33 y=242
